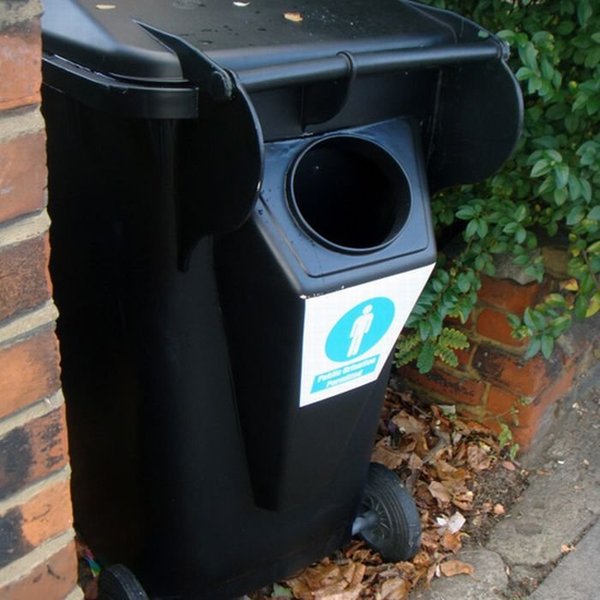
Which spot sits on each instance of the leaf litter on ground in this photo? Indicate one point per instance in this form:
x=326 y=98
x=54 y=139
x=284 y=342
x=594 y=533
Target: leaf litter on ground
x=462 y=483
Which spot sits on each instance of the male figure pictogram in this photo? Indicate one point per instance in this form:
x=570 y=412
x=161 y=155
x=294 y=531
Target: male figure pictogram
x=360 y=328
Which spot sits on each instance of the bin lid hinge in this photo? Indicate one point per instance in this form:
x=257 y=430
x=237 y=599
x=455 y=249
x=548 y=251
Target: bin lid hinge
x=196 y=66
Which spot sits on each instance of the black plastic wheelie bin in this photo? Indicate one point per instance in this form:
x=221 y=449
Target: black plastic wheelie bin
x=239 y=194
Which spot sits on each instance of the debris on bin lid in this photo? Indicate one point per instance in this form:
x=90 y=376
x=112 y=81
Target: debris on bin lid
x=273 y=45
x=295 y=17
x=240 y=32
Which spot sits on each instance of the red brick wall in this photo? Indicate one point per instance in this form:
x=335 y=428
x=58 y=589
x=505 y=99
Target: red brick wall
x=493 y=382
x=37 y=555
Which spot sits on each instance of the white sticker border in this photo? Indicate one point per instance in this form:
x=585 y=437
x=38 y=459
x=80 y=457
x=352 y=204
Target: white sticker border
x=321 y=313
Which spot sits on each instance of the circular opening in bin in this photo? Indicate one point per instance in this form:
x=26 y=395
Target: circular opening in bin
x=349 y=193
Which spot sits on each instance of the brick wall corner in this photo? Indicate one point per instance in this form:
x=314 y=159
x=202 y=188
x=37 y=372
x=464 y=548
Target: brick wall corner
x=494 y=382
x=37 y=550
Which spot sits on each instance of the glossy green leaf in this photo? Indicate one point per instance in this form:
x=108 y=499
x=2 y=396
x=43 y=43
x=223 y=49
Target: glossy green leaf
x=576 y=214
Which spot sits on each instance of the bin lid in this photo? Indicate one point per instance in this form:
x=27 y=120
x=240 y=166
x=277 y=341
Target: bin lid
x=106 y=36
x=139 y=58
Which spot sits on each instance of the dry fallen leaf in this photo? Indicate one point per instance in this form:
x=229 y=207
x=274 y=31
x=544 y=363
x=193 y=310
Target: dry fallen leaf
x=433 y=571
x=359 y=552
x=440 y=492
x=430 y=540
x=421 y=559
x=329 y=581
x=415 y=463
x=408 y=424
x=478 y=458
x=386 y=455
x=334 y=594
x=451 y=541
x=394 y=589
x=445 y=470
x=451 y=567
x=463 y=499
x=354 y=573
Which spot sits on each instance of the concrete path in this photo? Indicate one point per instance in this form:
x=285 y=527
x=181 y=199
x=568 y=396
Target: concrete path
x=547 y=547
x=576 y=577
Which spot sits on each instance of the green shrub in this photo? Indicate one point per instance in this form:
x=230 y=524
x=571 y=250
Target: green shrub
x=550 y=187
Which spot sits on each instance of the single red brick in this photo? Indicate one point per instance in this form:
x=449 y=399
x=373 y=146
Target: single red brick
x=561 y=385
x=38 y=519
x=501 y=403
x=493 y=423
x=494 y=325
x=473 y=413
x=52 y=580
x=22 y=175
x=527 y=435
x=530 y=414
x=446 y=385
x=523 y=377
x=536 y=417
x=28 y=371
x=20 y=65
x=33 y=451
x=464 y=357
x=24 y=276
x=14 y=545
x=47 y=514
x=524 y=436
x=508 y=294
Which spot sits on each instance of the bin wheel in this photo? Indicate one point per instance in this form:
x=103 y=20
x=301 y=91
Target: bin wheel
x=394 y=528
x=117 y=582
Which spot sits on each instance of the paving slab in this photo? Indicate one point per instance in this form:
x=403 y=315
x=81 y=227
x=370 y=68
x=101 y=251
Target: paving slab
x=488 y=583
x=561 y=503
x=576 y=577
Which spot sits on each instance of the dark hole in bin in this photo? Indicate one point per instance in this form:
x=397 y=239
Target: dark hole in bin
x=349 y=193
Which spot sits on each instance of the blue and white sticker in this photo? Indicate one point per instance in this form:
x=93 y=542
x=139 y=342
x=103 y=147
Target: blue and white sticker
x=349 y=334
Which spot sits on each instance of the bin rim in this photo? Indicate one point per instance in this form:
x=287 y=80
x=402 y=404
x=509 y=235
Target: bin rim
x=292 y=203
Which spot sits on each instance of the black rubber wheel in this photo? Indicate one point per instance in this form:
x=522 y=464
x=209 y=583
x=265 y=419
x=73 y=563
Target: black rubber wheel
x=396 y=534
x=117 y=582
